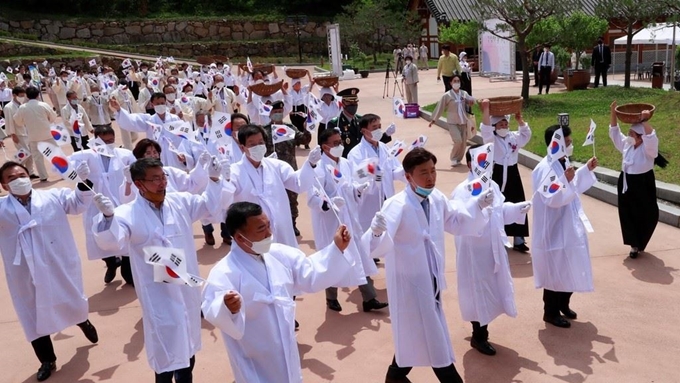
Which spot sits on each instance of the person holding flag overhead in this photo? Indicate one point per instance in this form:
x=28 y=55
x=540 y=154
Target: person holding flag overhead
x=41 y=261
x=485 y=288
x=338 y=200
x=77 y=122
x=123 y=95
x=505 y=170
x=638 y=209
x=561 y=256
x=171 y=313
x=409 y=232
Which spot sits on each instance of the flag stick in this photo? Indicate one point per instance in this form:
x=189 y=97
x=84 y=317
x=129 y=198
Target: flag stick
x=593 y=145
x=328 y=199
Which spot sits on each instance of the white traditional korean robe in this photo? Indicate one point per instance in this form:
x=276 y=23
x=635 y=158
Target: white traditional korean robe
x=560 y=253
x=171 y=313
x=41 y=261
x=260 y=339
x=485 y=288
x=419 y=330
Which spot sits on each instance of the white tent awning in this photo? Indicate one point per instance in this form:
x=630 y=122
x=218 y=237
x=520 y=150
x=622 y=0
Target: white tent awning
x=657 y=34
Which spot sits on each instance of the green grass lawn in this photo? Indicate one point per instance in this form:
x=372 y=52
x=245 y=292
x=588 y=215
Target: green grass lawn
x=594 y=103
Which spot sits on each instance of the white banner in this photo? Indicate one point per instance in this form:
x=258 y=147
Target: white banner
x=496 y=55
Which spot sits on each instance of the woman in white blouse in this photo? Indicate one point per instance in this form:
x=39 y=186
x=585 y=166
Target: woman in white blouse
x=638 y=209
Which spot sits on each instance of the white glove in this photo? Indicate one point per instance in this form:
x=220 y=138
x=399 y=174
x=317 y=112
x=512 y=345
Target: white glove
x=486 y=199
x=339 y=202
x=378 y=175
x=83 y=170
x=127 y=174
x=204 y=158
x=362 y=188
x=314 y=156
x=215 y=168
x=378 y=224
x=524 y=207
x=391 y=129
x=103 y=204
x=226 y=169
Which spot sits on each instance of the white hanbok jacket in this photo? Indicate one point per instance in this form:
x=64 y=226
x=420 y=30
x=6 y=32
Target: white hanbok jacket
x=266 y=186
x=171 y=313
x=560 y=253
x=485 y=288
x=419 y=330
x=391 y=169
x=106 y=182
x=325 y=223
x=506 y=149
x=260 y=339
x=41 y=261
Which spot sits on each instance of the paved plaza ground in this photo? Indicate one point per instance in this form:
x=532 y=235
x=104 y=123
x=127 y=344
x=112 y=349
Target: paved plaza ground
x=626 y=331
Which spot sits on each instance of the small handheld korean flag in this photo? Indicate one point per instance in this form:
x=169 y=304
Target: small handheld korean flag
x=367 y=169
x=9 y=69
x=221 y=128
x=169 y=266
x=264 y=109
x=336 y=174
x=181 y=129
x=313 y=119
x=249 y=65
x=398 y=107
x=557 y=146
x=155 y=83
x=126 y=63
x=59 y=161
x=314 y=102
x=3 y=76
x=21 y=155
x=92 y=63
x=76 y=122
x=60 y=135
x=99 y=146
x=51 y=73
x=482 y=160
x=157 y=129
x=479 y=185
x=282 y=133
x=397 y=148
x=418 y=143
x=590 y=138
x=174 y=141
x=170 y=59
x=550 y=185
x=45 y=63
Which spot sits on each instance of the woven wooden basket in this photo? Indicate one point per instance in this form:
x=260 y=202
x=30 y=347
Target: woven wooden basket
x=263 y=90
x=296 y=72
x=501 y=106
x=266 y=69
x=326 y=81
x=205 y=60
x=222 y=59
x=632 y=113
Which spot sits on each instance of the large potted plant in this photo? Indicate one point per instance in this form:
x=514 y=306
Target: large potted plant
x=579 y=33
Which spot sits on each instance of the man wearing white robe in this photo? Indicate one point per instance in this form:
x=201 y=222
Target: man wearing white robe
x=390 y=169
x=560 y=256
x=170 y=312
x=409 y=232
x=340 y=195
x=264 y=181
x=126 y=100
x=222 y=98
x=106 y=172
x=41 y=261
x=485 y=288
x=249 y=295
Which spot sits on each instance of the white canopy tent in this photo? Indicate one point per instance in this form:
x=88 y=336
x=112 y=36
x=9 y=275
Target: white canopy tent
x=665 y=34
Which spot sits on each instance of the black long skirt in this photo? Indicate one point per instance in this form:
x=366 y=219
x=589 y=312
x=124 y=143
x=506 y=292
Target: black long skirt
x=466 y=83
x=514 y=192
x=638 y=209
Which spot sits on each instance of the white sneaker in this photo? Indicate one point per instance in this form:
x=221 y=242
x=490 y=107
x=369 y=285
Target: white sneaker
x=454 y=163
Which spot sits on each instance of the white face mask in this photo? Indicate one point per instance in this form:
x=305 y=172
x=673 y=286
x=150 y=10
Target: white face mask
x=261 y=247
x=189 y=94
x=21 y=100
x=170 y=97
x=160 y=109
x=219 y=85
x=569 y=150
x=336 y=151
x=256 y=153
x=502 y=132
x=20 y=186
x=455 y=85
x=111 y=146
x=95 y=94
x=630 y=141
x=376 y=135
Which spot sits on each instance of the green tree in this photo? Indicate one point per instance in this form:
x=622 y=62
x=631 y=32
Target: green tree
x=580 y=31
x=461 y=33
x=520 y=18
x=630 y=16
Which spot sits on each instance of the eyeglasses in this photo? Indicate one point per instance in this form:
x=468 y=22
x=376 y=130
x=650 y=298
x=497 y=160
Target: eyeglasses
x=157 y=180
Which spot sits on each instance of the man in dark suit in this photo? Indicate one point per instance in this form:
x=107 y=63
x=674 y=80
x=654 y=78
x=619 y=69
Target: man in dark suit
x=601 y=60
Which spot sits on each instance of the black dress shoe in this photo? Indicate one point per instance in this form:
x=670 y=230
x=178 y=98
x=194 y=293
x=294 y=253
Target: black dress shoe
x=569 y=313
x=558 y=321
x=297 y=325
x=333 y=304
x=226 y=241
x=89 y=331
x=111 y=271
x=374 y=304
x=45 y=371
x=295 y=229
x=523 y=248
x=633 y=254
x=376 y=260
x=209 y=239
x=483 y=346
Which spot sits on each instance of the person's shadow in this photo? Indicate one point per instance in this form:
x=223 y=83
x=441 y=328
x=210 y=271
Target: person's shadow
x=111 y=298
x=648 y=268
x=314 y=365
x=520 y=264
x=74 y=369
x=134 y=347
x=502 y=368
x=573 y=349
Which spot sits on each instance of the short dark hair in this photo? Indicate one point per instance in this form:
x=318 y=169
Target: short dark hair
x=551 y=130
x=409 y=57
x=157 y=95
x=63 y=73
x=367 y=119
x=241 y=116
x=9 y=165
x=446 y=48
x=238 y=214
x=123 y=82
x=32 y=92
x=415 y=157
x=187 y=85
x=17 y=90
x=456 y=75
x=326 y=135
x=144 y=144
x=250 y=130
x=138 y=168
x=103 y=130
x=168 y=85
x=468 y=156
x=71 y=93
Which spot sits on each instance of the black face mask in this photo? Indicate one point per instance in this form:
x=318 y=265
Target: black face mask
x=351 y=109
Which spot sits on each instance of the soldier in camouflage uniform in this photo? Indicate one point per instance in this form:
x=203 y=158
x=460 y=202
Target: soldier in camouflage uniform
x=347 y=123
x=285 y=151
